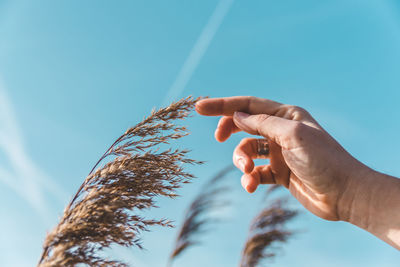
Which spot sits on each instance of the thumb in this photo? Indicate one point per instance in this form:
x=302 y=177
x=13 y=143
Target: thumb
x=277 y=129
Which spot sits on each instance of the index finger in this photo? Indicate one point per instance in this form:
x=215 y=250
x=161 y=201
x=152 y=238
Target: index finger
x=226 y=106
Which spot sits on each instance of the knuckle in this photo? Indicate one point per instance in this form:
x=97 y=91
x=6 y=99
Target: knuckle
x=298 y=109
x=251 y=98
x=296 y=112
x=250 y=101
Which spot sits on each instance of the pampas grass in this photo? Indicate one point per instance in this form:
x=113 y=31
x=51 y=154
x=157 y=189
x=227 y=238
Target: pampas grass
x=266 y=230
x=141 y=165
x=104 y=211
x=196 y=219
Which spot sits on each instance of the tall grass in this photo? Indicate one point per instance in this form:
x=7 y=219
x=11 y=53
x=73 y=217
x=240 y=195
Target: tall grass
x=104 y=211
x=267 y=230
x=197 y=216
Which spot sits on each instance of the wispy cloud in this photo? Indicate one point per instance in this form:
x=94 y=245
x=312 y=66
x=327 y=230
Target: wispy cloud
x=22 y=175
x=198 y=50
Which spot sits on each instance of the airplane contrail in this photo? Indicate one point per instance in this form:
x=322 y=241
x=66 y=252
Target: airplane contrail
x=198 y=50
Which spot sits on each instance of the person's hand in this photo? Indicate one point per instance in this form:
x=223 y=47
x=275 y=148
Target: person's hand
x=323 y=176
x=303 y=156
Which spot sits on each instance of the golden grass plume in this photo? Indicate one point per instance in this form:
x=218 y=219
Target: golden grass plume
x=104 y=210
x=196 y=218
x=266 y=230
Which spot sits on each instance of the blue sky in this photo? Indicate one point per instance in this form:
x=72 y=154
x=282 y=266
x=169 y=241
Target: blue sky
x=75 y=74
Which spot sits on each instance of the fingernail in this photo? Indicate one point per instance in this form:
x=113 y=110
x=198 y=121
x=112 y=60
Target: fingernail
x=241 y=115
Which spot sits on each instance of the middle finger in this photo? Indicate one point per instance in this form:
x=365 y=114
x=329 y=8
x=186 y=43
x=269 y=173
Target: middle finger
x=225 y=128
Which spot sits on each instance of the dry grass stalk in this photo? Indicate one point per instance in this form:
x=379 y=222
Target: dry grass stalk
x=196 y=216
x=104 y=210
x=266 y=229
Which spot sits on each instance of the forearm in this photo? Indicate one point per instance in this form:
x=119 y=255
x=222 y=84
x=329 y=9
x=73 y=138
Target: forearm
x=372 y=202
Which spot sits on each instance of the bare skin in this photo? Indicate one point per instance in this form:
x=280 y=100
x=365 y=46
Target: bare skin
x=304 y=158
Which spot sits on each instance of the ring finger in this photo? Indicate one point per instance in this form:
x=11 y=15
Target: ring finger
x=247 y=150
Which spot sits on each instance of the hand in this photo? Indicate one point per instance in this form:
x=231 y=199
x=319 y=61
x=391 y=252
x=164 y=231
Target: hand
x=303 y=156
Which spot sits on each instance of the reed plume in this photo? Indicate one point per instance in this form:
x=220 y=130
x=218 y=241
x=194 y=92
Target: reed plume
x=196 y=218
x=104 y=211
x=267 y=229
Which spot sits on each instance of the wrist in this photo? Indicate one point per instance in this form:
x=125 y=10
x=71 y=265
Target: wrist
x=370 y=201
x=356 y=198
